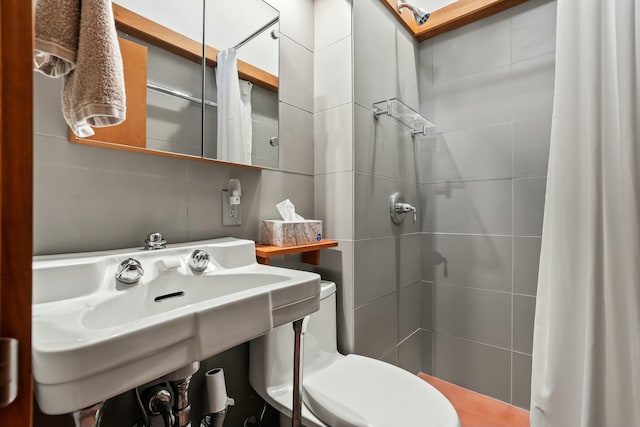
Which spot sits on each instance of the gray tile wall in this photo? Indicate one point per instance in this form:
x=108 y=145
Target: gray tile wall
x=89 y=199
x=334 y=155
x=363 y=56
x=489 y=88
x=388 y=285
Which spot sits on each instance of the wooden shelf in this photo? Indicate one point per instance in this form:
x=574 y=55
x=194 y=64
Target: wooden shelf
x=310 y=253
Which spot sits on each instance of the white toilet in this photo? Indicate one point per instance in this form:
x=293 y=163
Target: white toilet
x=342 y=391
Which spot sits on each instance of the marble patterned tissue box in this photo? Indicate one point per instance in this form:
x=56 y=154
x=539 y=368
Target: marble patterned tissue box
x=284 y=233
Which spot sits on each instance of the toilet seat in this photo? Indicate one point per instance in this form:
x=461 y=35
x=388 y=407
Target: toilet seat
x=338 y=390
x=357 y=391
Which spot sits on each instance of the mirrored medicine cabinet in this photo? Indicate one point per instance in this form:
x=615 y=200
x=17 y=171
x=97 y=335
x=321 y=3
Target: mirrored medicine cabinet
x=169 y=50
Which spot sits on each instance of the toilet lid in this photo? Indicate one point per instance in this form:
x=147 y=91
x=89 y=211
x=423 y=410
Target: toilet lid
x=358 y=391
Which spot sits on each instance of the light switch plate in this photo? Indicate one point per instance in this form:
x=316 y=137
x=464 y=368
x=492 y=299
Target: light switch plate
x=227 y=219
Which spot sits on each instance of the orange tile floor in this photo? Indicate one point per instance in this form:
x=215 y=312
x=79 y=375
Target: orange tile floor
x=478 y=410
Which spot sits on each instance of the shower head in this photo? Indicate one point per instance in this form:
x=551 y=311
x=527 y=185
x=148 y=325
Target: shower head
x=419 y=14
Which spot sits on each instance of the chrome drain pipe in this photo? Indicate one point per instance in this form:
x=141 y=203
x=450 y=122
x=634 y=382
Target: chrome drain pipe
x=88 y=417
x=182 y=407
x=299 y=328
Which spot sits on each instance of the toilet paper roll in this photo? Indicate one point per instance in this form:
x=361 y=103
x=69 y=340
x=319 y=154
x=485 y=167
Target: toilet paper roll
x=217 y=391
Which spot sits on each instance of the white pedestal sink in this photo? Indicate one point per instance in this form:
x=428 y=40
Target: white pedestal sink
x=94 y=338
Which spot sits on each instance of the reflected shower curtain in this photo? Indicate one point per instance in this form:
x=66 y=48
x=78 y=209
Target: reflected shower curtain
x=234 y=111
x=586 y=350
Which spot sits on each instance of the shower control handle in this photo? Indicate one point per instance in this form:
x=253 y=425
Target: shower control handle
x=406 y=207
x=398 y=208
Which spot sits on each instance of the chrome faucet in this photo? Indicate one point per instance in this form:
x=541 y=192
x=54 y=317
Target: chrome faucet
x=129 y=272
x=199 y=261
x=154 y=241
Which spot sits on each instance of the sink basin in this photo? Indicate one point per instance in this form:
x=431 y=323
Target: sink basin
x=169 y=292
x=94 y=338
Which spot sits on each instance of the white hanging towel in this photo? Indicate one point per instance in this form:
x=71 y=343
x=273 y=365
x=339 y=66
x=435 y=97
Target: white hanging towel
x=586 y=346
x=234 y=111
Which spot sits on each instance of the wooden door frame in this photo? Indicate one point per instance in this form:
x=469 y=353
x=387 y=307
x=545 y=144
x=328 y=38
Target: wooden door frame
x=16 y=195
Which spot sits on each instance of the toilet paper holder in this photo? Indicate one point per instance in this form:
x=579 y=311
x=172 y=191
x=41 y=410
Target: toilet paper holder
x=218 y=401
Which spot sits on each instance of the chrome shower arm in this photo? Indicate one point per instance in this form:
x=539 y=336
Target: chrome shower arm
x=420 y=15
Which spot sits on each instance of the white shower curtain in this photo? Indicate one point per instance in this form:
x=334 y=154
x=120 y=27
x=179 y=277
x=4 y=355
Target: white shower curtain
x=234 y=110
x=586 y=350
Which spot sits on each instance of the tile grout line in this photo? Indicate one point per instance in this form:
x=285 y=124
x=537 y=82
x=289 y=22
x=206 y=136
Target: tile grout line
x=469 y=287
x=513 y=219
x=493 y=124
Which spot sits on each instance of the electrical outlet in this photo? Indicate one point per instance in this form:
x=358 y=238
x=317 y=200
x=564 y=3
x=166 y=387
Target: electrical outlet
x=227 y=217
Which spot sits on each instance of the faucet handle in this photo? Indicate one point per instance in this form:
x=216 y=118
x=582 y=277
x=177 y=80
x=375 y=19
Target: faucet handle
x=199 y=260
x=402 y=207
x=154 y=241
x=410 y=208
x=406 y=207
x=398 y=207
x=129 y=272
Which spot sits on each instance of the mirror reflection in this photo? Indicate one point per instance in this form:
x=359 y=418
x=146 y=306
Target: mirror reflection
x=246 y=116
x=172 y=123
x=177 y=93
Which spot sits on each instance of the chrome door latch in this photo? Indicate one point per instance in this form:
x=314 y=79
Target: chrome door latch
x=8 y=371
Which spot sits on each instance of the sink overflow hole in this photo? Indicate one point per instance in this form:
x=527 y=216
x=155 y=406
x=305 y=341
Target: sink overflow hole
x=171 y=295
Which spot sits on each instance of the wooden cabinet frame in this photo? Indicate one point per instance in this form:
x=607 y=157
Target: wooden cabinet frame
x=151 y=32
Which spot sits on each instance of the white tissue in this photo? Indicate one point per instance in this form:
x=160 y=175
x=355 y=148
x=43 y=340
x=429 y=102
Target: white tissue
x=288 y=211
x=217 y=391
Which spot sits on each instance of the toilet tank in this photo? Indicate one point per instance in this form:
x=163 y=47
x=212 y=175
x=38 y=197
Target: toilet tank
x=271 y=356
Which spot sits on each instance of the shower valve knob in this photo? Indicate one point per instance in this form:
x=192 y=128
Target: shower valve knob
x=398 y=208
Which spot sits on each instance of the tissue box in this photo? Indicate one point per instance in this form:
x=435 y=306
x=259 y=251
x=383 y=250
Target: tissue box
x=291 y=233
